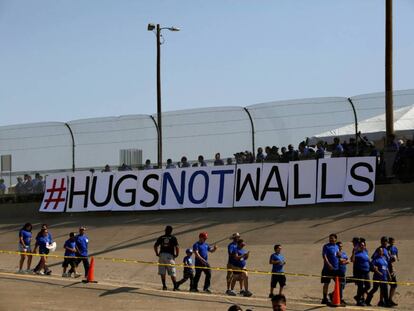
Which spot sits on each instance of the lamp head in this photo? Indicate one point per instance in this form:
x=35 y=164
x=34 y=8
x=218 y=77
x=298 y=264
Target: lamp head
x=174 y=29
x=151 y=27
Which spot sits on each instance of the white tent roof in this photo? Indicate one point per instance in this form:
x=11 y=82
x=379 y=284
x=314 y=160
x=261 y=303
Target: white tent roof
x=374 y=128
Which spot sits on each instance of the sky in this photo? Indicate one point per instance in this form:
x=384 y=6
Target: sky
x=66 y=60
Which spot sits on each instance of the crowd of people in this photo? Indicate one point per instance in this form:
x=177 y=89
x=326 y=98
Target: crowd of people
x=25 y=185
x=381 y=263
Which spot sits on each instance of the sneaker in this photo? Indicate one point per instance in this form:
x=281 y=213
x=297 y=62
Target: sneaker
x=77 y=275
x=247 y=293
x=271 y=296
x=39 y=272
x=194 y=290
x=324 y=301
x=361 y=304
x=48 y=272
x=164 y=288
x=381 y=304
x=231 y=292
x=20 y=271
x=207 y=291
x=65 y=275
x=392 y=303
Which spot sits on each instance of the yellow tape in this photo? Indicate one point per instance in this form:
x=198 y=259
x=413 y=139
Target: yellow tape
x=153 y=263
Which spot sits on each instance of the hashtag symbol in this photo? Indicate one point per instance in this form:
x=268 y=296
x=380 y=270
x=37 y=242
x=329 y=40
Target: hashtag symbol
x=59 y=190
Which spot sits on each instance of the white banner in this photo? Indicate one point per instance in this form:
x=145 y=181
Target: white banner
x=331 y=180
x=256 y=184
x=360 y=179
x=302 y=182
x=55 y=195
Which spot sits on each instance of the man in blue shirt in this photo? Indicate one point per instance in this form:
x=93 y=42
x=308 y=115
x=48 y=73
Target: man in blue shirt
x=201 y=250
x=393 y=254
x=330 y=265
x=238 y=261
x=231 y=250
x=277 y=260
x=82 y=242
x=343 y=261
x=382 y=274
x=70 y=254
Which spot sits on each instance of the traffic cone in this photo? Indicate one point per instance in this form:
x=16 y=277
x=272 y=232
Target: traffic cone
x=336 y=301
x=91 y=273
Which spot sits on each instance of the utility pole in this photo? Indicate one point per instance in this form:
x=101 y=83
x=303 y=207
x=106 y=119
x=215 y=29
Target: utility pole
x=389 y=109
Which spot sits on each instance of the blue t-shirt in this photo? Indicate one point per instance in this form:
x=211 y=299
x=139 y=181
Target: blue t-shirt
x=231 y=249
x=382 y=265
x=202 y=249
x=361 y=262
x=82 y=244
x=393 y=250
x=277 y=268
x=342 y=267
x=188 y=262
x=240 y=263
x=26 y=235
x=386 y=254
x=71 y=244
x=331 y=251
x=42 y=241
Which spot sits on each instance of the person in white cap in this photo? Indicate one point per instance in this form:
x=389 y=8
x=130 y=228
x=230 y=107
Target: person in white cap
x=231 y=250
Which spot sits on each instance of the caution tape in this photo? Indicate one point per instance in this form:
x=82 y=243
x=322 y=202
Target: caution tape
x=250 y=271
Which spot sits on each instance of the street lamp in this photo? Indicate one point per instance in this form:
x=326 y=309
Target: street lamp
x=157 y=30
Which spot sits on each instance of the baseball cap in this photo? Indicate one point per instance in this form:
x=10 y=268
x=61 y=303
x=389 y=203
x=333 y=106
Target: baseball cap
x=82 y=228
x=235 y=235
x=203 y=235
x=189 y=250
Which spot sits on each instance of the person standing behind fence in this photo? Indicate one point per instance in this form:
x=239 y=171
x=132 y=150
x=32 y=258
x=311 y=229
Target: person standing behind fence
x=330 y=264
x=82 y=242
x=25 y=239
x=277 y=260
x=167 y=252
x=201 y=249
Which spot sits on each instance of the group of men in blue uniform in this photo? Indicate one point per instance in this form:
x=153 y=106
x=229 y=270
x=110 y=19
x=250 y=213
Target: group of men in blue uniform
x=381 y=263
x=76 y=250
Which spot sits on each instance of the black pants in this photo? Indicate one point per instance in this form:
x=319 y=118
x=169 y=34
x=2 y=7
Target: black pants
x=207 y=280
x=85 y=262
x=363 y=286
x=384 y=292
x=187 y=276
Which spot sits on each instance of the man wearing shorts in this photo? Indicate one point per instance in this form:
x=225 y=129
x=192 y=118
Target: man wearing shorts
x=166 y=248
x=277 y=260
x=231 y=249
x=330 y=257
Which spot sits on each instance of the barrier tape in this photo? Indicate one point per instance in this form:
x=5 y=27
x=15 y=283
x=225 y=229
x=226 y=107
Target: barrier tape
x=153 y=263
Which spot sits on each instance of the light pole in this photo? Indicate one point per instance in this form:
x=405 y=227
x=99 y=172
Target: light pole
x=157 y=30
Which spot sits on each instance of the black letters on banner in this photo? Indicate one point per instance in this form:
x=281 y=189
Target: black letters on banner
x=248 y=180
x=108 y=194
x=132 y=191
x=323 y=190
x=361 y=178
x=296 y=193
x=85 y=192
x=148 y=189
x=279 y=188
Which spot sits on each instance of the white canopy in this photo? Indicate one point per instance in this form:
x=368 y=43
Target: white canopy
x=374 y=128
